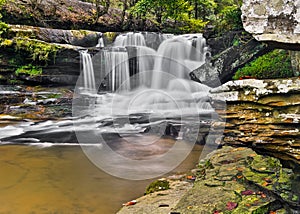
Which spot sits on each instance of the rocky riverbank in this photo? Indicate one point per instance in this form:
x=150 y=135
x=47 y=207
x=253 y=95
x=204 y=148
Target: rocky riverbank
x=263 y=115
x=229 y=180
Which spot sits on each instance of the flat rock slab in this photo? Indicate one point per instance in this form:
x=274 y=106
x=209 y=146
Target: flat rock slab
x=161 y=202
x=238 y=180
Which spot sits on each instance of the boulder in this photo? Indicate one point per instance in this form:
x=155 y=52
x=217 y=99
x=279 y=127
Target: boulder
x=276 y=22
x=239 y=180
x=229 y=52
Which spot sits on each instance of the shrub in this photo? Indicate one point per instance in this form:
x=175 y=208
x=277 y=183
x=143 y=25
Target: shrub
x=275 y=64
x=229 y=19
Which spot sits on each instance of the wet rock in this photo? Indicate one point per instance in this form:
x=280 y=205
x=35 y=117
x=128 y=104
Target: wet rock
x=36 y=103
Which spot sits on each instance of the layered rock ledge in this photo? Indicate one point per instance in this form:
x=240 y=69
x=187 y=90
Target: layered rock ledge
x=262 y=114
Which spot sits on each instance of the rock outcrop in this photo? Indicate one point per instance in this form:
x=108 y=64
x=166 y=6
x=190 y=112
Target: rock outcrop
x=230 y=52
x=238 y=180
x=276 y=21
x=264 y=115
x=83 y=38
x=229 y=180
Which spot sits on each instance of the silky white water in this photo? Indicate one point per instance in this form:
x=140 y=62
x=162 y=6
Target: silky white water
x=144 y=80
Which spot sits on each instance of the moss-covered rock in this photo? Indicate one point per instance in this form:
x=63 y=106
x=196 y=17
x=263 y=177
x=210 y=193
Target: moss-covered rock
x=238 y=180
x=158 y=185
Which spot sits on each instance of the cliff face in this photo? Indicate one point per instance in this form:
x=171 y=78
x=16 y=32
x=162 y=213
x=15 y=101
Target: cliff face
x=273 y=20
x=264 y=115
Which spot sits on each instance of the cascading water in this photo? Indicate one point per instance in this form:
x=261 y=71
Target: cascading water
x=88 y=71
x=161 y=78
x=162 y=101
x=130 y=39
x=100 y=43
x=145 y=61
x=117 y=68
x=160 y=82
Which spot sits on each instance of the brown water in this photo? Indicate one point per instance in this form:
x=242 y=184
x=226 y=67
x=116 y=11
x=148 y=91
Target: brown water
x=62 y=180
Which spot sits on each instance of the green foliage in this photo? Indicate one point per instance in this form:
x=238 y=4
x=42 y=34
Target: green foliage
x=38 y=50
x=275 y=64
x=230 y=18
x=6 y=42
x=71 y=8
x=158 y=185
x=192 y=25
x=30 y=70
x=204 y=9
x=191 y=16
x=3 y=28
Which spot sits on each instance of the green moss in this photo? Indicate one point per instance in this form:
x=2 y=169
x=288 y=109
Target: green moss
x=6 y=43
x=158 y=185
x=80 y=33
x=275 y=64
x=15 y=82
x=110 y=36
x=3 y=28
x=30 y=70
x=38 y=50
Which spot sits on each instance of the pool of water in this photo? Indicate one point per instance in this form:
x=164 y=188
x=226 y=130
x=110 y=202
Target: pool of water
x=62 y=180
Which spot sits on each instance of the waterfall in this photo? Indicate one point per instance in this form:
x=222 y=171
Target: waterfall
x=88 y=71
x=145 y=61
x=134 y=62
x=100 y=43
x=117 y=68
x=130 y=39
x=177 y=58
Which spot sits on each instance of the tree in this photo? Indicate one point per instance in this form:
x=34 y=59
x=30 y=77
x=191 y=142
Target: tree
x=102 y=7
x=99 y=4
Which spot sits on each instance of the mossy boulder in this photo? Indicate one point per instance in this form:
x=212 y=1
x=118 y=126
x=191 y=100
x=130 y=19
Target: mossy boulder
x=238 y=180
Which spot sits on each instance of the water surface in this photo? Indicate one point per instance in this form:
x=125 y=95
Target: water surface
x=62 y=180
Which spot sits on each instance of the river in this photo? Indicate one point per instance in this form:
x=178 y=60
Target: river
x=61 y=179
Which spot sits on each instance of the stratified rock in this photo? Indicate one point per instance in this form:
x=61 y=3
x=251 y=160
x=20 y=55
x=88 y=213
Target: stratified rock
x=262 y=114
x=82 y=38
x=273 y=21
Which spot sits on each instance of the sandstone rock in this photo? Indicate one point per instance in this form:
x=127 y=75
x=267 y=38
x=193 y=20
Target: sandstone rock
x=253 y=182
x=274 y=21
x=262 y=114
